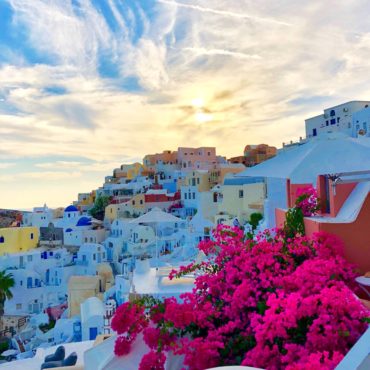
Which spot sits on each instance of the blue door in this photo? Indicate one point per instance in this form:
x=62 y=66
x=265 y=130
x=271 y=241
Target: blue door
x=93 y=333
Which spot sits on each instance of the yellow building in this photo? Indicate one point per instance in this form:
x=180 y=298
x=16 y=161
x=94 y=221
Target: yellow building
x=136 y=205
x=198 y=178
x=86 y=199
x=240 y=200
x=18 y=239
x=112 y=211
x=128 y=171
x=217 y=176
x=82 y=287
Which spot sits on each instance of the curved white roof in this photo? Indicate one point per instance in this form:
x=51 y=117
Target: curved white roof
x=156 y=215
x=328 y=154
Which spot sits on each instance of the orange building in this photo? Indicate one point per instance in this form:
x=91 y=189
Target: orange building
x=166 y=157
x=255 y=154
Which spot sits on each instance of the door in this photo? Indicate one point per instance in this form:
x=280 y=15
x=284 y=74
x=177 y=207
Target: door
x=93 y=333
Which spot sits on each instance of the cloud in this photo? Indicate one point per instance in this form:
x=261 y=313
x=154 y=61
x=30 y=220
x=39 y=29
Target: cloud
x=111 y=82
x=5 y=165
x=224 y=13
x=204 y=51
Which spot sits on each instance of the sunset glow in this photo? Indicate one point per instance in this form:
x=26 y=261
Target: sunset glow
x=114 y=78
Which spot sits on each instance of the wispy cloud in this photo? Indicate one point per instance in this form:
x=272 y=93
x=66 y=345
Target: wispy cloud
x=224 y=13
x=6 y=165
x=111 y=81
x=204 y=51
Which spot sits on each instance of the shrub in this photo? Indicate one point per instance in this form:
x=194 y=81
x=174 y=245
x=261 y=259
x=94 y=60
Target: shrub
x=276 y=302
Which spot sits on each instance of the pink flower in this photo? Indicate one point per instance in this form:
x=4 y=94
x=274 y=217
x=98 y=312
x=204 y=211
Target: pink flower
x=122 y=345
x=273 y=303
x=153 y=361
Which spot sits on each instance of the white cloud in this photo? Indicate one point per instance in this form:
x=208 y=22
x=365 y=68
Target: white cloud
x=5 y=165
x=250 y=62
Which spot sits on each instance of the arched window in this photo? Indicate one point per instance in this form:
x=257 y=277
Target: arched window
x=2 y=240
x=332 y=113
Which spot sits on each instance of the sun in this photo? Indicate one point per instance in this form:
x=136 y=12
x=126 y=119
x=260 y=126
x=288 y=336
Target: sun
x=200 y=112
x=203 y=117
x=197 y=103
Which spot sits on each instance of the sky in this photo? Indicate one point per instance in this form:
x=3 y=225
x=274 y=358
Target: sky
x=87 y=85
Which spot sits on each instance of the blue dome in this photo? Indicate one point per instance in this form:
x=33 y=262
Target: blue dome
x=84 y=221
x=71 y=209
x=69 y=230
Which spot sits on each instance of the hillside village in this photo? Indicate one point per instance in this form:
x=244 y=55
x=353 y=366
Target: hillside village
x=73 y=266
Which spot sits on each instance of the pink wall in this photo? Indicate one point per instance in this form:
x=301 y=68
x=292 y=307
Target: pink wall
x=293 y=192
x=355 y=235
x=192 y=155
x=342 y=191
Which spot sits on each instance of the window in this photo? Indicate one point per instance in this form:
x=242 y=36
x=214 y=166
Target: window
x=241 y=193
x=338 y=119
x=2 y=240
x=133 y=202
x=349 y=124
x=209 y=154
x=186 y=196
x=141 y=201
x=332 y=113
x=314 y=132
x=332 y=121
x=198 y=180
x=31 y=236
x=94 y=256
x=193 y=195
x=327 y=122
x=18 y=306
x=29 y=258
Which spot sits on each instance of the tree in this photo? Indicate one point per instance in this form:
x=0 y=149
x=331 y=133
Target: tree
x=255 y=218
x=98 y=210
x=6 y=282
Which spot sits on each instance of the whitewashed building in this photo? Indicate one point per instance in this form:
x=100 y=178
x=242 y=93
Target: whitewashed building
x=335 y=119
x=92 y=318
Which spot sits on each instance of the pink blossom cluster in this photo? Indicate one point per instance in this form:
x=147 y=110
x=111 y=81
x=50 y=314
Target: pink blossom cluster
x=273 y=302
x=307 y=200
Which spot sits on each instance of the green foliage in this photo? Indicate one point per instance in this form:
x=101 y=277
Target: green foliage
x=255 y=218
x=46 y=327
x=294 y=222
x=4 y=346
x=98 y=210
x=6 y=283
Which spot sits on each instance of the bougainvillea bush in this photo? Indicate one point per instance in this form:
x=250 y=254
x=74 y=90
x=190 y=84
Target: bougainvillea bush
x=274 y=303
x=307 y=204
